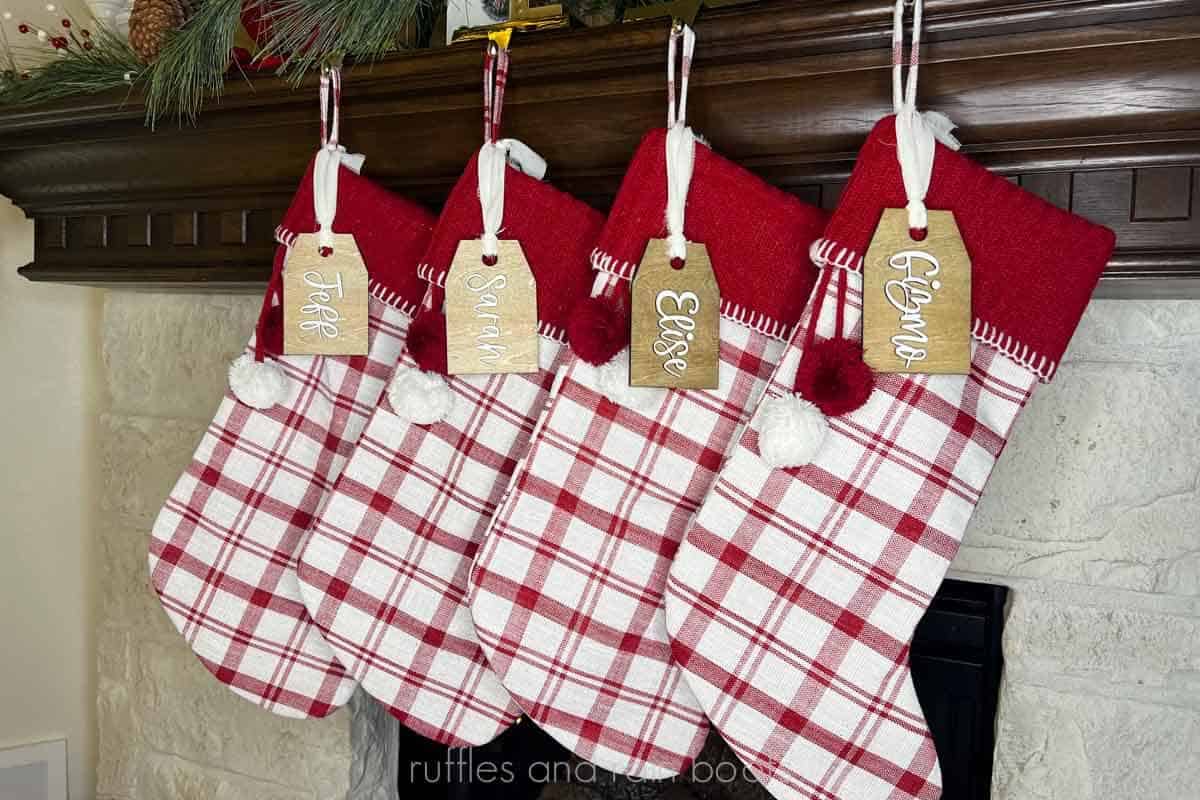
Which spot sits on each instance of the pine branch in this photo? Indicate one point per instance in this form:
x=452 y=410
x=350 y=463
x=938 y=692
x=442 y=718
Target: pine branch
x=308 y=32
x=191 y=66
x=193 y=62
x=109 y=64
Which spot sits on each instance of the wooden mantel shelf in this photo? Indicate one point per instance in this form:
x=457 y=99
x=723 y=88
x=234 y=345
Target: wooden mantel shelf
x=1094 y=104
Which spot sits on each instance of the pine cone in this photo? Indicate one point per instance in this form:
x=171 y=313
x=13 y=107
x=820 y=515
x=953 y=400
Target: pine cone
x=149 y=23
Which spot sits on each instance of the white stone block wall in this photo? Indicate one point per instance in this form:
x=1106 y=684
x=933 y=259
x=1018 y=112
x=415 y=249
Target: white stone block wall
x=168 y=730
x=1092 y=517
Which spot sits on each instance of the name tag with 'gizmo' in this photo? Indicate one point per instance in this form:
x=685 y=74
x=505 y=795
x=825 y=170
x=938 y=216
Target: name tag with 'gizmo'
x=917 y=298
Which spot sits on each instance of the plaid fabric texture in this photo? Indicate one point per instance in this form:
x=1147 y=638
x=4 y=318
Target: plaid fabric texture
x=223 y=547
x=385 y=572
x=793 y=598
x=567 y=587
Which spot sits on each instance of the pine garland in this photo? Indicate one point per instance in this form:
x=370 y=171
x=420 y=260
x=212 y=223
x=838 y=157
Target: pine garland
x=193 y=62
x=109 y=63
x=308 y=33
x=192 y=67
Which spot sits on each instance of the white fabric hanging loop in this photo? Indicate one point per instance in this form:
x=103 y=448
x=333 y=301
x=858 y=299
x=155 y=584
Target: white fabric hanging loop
x=330 y=158
x=491 y=195
x=497 y=153
x=916 y=132
x=681 y=140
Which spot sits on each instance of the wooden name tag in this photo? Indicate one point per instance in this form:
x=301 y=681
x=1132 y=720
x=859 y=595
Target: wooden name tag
x=325 y=299
x=917 y=298
x=676 y=338
x=491 y=312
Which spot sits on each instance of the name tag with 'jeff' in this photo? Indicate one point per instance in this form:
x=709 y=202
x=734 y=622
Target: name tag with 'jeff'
x=917 y=298
x=325 y=299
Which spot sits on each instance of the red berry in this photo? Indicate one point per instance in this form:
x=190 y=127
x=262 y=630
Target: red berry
x=59 y=42
x=87 y=45
x=66 y=23
x=23 y=28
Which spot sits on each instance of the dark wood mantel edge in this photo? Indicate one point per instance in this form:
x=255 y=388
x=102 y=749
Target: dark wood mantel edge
x=735 y=33
x=1129 y=276
x=1118 y=139
x=1151 y=276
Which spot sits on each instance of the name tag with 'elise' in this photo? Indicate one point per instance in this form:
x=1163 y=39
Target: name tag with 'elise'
x=917 y=298
x=325 y=299
x=675 y=342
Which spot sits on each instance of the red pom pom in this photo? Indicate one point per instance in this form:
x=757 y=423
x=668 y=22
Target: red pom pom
x=598 y=329
x=272 y=332
x=427 y=341
x=833 y=377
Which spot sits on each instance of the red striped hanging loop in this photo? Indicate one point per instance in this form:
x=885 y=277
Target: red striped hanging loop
x=331 y=90
x=495 y=78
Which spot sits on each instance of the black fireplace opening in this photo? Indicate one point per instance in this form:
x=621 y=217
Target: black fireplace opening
x=956 y=665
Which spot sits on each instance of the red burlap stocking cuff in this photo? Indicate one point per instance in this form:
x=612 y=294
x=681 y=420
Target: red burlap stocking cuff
x=1034 y=266
x=390 y=232
x=555 y=230
x=754 y=233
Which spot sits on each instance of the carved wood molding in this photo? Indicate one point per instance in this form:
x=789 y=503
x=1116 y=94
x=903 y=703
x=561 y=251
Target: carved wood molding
x=1094 y=104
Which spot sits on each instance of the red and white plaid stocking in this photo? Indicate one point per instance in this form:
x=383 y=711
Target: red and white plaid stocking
x=567 y=587
x=222 y=549
x=385 y=572
x=792 y=601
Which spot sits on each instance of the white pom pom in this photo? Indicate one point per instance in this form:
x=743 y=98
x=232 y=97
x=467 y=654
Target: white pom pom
x=422 y=398
x=258 y=384
x=612 y=380
x=791 y=431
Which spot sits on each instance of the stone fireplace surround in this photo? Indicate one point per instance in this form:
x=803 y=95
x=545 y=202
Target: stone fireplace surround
x=1100 y=699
